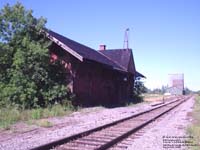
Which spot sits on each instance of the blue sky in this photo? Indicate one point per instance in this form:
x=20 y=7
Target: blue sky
x=164 y=34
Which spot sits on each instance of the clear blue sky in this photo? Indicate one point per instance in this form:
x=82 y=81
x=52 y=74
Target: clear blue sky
x=164 y=34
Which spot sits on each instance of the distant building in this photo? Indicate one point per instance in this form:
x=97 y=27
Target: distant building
x=176 y=84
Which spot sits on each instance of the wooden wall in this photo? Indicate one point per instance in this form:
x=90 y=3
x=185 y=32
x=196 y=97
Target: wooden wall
x=94 y=83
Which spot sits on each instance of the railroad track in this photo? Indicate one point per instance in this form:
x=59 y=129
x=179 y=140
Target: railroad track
x=106 y=136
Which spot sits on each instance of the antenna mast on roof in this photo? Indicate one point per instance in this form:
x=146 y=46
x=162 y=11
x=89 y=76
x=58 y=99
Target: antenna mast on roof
x=126 y=35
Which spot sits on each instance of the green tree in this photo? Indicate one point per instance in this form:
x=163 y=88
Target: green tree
x=138 y=89
x=27 y=78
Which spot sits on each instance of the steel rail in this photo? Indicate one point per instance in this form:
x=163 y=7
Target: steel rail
x=117 y=139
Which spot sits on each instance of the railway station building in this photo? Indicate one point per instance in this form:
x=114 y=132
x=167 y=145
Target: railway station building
x=97 y=77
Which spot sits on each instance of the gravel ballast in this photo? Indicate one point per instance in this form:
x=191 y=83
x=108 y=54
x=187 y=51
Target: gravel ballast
x=172 y=127
x=64 y=126
x=88 y=119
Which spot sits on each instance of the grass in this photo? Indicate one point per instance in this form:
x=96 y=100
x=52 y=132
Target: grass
x=194 y=129
x=8 y=116
x=154 y=97
x=150 y=97
x=43 y=123
x=146 y=95
x=11 y=115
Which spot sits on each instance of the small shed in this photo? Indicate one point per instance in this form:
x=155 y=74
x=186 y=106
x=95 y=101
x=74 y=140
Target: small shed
x=101 y=77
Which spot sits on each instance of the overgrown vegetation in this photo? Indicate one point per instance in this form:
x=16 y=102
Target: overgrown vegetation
x=31 y=87
x=194 y=129
x=138 y=90
x=27 y=78
x=10 y=115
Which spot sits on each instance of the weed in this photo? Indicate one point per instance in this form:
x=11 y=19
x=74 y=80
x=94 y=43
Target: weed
x=57 y=110
x=10 y=115
x=44 y=123
x=36 y=113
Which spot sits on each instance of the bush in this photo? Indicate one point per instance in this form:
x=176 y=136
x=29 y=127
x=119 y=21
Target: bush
x=27 y=78
x=138 y=90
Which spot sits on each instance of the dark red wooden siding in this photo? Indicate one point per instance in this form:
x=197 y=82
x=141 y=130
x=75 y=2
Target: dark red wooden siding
x=94 y=83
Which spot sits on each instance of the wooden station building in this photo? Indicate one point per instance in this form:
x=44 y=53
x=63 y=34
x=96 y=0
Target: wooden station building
x=101 y=76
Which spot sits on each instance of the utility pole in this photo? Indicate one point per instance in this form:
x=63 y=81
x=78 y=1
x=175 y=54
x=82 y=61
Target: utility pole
x=126 y=38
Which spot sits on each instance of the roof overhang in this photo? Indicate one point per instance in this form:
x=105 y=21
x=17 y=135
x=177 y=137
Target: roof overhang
x=137 y=74
x=65 y=47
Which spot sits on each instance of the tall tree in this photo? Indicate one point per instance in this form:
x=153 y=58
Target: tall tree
x=27 y=78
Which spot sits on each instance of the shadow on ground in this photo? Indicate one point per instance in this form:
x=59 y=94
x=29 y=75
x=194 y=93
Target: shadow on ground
x=133 y=100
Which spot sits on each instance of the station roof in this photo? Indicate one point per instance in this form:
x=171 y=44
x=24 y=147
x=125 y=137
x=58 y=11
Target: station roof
x=117 y=59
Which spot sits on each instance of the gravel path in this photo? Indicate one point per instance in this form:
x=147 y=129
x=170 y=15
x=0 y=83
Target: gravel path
x=28 y=137
x=171 y=127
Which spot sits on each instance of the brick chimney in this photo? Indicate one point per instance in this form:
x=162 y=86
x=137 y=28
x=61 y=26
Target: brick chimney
x=102 y=47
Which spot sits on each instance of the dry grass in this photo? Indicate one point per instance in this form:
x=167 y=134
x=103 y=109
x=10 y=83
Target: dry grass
x=194 y=129
x=11 y=115
x=43 y=123
x=153 y=97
